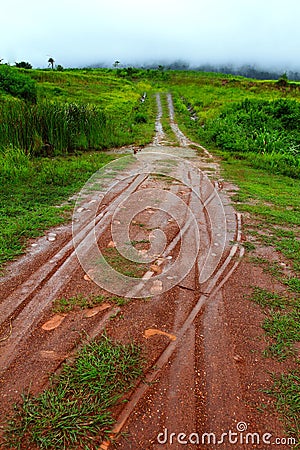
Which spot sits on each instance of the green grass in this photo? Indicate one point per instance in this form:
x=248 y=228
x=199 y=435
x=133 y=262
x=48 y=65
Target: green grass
x=65 y=305
x=286 y=392
x=284 y=330
x=32 y=191
x=282 y=324
x=255 y=120
x=270 y=300
x=270 y=267
x=208 y=93
x=78 y=110
x=274 y=267
x=123 y=265
x=274 y=204
x=75 y=411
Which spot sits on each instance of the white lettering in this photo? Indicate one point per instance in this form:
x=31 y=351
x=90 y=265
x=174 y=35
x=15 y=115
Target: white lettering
x=266 y=438
x=253 y=436
x=171 y=437
x=221 y=441
x=231 y=434
x=196 y=436
x=163 y=435
x=181 y=436
x=208 y=436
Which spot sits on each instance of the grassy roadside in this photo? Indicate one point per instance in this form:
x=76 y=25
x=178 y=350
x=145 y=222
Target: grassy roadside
x=272 y=205
x=79 y=110
x=32 y=191
x=270 y=202
x=75 y=411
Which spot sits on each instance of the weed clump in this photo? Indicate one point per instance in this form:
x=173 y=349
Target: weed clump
x=74 y=412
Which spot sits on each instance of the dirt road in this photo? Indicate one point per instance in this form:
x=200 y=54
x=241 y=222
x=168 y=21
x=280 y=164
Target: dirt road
x=203 y=367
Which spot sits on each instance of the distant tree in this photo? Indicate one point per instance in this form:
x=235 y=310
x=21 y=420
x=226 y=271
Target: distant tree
x=23 y=65
x=51 y=63
x=161 y=68
x=178 y=65
x=59 y=68
x=1 y=59
x=116 y=64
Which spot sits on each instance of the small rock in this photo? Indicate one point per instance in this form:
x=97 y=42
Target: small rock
x=49 y=354
x=153 y=331
x=54 y=322
x=156 y=269
x=94 y=311
x=87 y=278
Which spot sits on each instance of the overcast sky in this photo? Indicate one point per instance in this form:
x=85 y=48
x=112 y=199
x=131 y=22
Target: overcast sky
x=84 y=32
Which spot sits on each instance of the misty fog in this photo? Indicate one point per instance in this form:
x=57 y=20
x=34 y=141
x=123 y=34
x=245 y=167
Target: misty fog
x=77 y=33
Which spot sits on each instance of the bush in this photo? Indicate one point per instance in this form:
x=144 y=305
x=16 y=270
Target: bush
x=260 y=127
x=17 y=84
x=141 y=118
x=23 y=65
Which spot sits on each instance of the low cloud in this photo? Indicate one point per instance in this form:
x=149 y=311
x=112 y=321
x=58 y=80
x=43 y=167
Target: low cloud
x=85 y=33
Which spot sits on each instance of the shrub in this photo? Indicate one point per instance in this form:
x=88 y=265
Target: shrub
x=260 y=127
x=141 y=118
x=23 y=65
x=17 y=84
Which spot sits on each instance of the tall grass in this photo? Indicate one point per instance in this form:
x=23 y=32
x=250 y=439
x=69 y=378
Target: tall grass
x=51 y=128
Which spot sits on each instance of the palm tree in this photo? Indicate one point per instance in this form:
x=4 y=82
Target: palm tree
x=51 y=63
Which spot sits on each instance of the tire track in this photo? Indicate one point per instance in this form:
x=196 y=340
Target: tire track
x=208 y=281
x=24 y=306
x=215 y=284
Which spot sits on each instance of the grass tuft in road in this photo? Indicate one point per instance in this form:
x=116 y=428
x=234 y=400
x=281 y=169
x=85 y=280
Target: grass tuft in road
x=122 y=265
x=79 y=301
x=75 y=412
